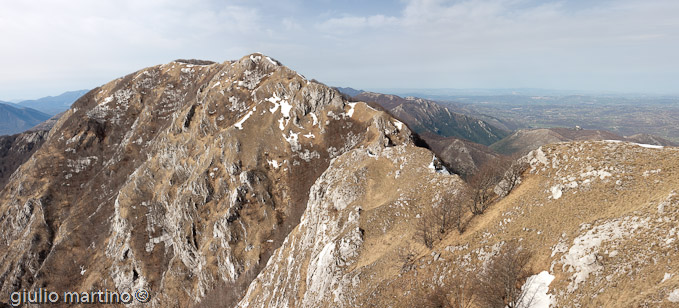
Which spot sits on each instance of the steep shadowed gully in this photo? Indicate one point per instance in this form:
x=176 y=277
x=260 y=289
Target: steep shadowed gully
x=244 y=184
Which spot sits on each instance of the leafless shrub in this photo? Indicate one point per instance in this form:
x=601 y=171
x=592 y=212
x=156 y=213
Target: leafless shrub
x=458 y=293
x=407 y=259
x=426 y=230
x=482 y=187
x=513 y=170
x=437 y=298
x=450 y=212
x=500 y=284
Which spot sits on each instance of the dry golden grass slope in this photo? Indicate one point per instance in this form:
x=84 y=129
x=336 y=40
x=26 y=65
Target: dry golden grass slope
x=600 y=216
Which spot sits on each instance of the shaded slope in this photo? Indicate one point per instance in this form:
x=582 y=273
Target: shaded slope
x=423 y=115
x=16 y=149
x=460 y=156
x=525 y=140
x=15 y=119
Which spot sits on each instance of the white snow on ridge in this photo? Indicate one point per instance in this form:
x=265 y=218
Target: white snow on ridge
x=434 y=168
x=285 y=108
x=350 y=113
x=272 y=61
x=649 y=146
x=274 y=100
x=239 y=124
x=398 y=124
x=535 y=291
x=643 y=145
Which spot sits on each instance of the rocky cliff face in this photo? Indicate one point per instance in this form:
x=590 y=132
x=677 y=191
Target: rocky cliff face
x=16 y=149
x=183 y=177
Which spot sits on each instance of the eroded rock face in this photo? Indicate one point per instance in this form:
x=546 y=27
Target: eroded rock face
x=360 y=216
x=181 y=177
x=16 y=149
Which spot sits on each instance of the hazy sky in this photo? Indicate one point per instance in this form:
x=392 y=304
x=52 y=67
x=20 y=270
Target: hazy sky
x=51 y=46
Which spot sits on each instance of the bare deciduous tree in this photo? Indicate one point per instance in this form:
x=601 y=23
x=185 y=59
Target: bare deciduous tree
x=462 y=292
x=500 y=284
x=450 y=213
x=407 y=257
x=426 y=230
x=513 y=170
x=482 y=185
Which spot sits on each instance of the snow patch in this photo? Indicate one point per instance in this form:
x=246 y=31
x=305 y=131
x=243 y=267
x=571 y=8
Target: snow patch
x=398 y=125
x=285 y=108
x=556 y=192
x=272 y=61
x=239 y=124
x=674 y=296
x=293 y=140
x=535 y=290
x=350 y=113
x=273 y=163
x=436 y=166
x=274 y=100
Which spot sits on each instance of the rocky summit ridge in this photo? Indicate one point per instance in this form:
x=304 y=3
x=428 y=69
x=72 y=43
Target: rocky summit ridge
x=182 y=178
x=243 y=184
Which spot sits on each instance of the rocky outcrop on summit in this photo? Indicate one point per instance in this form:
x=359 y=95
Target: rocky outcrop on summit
x=180 y=178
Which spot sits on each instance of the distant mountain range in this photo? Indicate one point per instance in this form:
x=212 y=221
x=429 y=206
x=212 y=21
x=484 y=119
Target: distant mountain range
x=54 y=104
x=15 y=119
x=525 y=140
x=349 y=91
x=19 y=117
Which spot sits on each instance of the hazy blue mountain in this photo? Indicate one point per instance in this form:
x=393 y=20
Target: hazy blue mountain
x=54 y=104
x=349 y=91
x=15 y=119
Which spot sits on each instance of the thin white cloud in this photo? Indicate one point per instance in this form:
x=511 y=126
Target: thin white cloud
x=607 y=45
x=356 y=23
